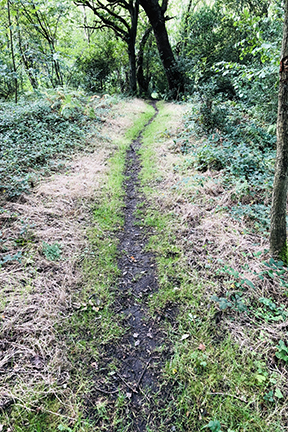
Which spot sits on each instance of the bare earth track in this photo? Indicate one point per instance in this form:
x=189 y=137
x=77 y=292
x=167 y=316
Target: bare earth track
x=141 y=352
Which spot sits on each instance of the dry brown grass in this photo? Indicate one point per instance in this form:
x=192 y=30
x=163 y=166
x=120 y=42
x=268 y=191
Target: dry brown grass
x=211 y=239
x=36 y=293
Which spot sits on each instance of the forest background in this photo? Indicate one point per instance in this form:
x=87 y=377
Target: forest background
x=225 y=56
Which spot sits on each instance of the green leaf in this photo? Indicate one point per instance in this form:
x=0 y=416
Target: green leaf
x=249 y=283
x=269 y=396
x=213 y=425
x=278 y=394
x=260 y=378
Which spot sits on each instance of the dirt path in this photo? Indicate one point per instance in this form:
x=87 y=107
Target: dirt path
x=111 y=321
x=140 y=354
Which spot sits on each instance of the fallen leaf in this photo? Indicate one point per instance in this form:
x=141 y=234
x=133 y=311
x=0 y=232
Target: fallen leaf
x=185 y=336
x=94 y=365
x=202 y=347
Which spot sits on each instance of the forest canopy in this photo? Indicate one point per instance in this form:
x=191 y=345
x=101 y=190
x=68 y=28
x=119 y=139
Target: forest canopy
x=111 y=46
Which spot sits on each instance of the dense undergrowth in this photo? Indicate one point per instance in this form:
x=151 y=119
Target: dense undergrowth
x=36 y=136
x=240 y=152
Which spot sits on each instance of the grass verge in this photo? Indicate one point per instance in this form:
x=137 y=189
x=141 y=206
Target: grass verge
x=225 y=373
x=54 y=329
x=92 y=323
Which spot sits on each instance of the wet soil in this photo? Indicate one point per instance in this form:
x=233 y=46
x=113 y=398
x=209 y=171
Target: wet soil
x=141 y=353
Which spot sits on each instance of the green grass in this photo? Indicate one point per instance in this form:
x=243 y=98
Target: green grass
x=212 y=377
x=91 y=323
x=97 y=323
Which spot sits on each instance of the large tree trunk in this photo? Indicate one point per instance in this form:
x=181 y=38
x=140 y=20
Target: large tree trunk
x=143 y=83
x=134 y=14
x=278 y=235
x=132 y=67
x=155 y=14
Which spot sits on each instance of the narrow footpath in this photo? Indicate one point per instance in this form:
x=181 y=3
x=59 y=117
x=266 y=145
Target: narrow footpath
x=141 y=353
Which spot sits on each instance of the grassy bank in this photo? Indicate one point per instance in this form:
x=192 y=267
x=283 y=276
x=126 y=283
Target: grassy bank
x=55 y=326
x=224 y=372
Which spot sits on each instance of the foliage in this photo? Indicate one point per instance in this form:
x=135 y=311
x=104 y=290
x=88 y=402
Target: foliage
x=242 y=150
x=235 y=46
x=37 y=135
x=52 y=252
x=95 y=68
x=282 y=352
x=214 y=426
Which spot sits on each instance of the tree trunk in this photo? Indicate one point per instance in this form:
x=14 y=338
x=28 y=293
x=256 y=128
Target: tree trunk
x=12 y=51
x=27 y=64
x=134 y=14
x=156 y=18
x=143 y=82
x=132 y=67
x=278 y=235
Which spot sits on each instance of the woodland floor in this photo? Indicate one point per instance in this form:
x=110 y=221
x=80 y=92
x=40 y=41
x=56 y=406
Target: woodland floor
x=108 y=323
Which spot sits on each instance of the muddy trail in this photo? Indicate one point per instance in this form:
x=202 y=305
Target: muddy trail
x=141 y=353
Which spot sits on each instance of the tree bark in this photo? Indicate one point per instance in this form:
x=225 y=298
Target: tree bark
x=12 y=51
x=132 y=67
x=155 y=14
x=278 y=235
x=143 y=82
x=134 y=14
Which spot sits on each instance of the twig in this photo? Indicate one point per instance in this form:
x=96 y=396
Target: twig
x=133 y=389
x=106 y=391
x=228 y=394
x=142 y=374
x=282 y=325
x=45 y=410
